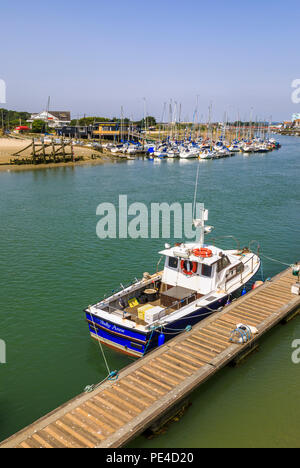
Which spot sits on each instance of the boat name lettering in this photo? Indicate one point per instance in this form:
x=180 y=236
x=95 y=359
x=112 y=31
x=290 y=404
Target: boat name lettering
x=111 y=326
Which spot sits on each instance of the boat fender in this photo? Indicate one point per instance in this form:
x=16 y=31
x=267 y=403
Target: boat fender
x=257 y=284
x=161 y=339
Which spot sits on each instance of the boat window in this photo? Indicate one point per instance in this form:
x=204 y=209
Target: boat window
x=222 y=263
x=206 y=270
x=235 y=271
x=173 y=262
x=136 y=346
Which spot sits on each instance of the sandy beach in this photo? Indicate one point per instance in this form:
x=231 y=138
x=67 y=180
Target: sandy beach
x=9 y=146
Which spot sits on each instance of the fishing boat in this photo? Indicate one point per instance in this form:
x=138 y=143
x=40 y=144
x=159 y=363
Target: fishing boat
x=197 y=280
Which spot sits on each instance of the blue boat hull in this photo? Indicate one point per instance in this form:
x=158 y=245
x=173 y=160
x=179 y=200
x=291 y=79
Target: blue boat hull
x=136 y=343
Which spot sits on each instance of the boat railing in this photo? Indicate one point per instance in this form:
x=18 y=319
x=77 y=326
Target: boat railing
x=163 y=313
x=258 y=246
x=214 y=239
x=133 y=286
x=241 y=277
x=182 y=303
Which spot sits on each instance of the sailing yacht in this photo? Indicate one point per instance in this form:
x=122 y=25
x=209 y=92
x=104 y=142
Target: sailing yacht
x=197 y=280
x=189 y=152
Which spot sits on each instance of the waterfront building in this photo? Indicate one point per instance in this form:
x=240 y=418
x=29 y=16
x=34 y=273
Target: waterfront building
x=297 y=123
x=55 y=119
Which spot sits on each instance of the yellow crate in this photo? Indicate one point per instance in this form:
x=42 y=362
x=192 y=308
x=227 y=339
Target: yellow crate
x=141 y=311
x=133 y=302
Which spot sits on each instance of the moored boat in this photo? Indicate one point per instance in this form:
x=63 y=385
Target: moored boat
x=196 y=281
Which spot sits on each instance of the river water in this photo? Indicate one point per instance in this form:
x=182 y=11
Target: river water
x=52 y=265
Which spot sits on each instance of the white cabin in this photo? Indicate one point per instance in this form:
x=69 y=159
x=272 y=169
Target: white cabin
x=208 y=273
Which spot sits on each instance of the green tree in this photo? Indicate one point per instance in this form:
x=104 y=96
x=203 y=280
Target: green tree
x=38 y=126
x=150 y=122
x=12 y=119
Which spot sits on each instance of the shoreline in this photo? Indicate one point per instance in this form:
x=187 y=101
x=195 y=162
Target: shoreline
x=30 y=167
x=9 y=146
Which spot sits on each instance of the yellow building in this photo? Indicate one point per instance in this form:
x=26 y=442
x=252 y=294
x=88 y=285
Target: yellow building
x=106 y=130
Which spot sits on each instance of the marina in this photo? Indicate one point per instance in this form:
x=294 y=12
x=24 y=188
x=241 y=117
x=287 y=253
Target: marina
x=202 y=141
x=50 y=150
x=117 y=411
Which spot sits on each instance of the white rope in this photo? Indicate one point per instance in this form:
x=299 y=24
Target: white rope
x=100 y=345
x=278 y=261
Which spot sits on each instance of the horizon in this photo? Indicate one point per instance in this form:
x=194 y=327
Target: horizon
x=93 y=60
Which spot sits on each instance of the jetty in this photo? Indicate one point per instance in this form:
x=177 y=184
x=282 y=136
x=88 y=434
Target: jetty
x=148 y=390
x=45 y=152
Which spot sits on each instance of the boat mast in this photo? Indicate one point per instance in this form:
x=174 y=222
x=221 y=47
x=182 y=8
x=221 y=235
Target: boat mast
x=47 y=115
x=199 y=223
x=122 y=118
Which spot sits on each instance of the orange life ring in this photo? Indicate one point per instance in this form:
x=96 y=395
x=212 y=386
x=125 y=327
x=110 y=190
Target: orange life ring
x=193 y=270
x=203 y=252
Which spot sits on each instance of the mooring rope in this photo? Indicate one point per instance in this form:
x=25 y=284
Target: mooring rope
x=277 y=261
x=112 y=375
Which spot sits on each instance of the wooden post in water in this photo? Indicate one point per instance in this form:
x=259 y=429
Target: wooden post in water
x=72 y=150
x=33 y=152
x=63 y=149
x=53 y=150
x=44 y=153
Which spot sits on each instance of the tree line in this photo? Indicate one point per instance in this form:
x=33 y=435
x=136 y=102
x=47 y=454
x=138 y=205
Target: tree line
x=10 y=119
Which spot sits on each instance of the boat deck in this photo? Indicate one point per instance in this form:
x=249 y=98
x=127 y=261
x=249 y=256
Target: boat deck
x=118 y=411
x=133 y=311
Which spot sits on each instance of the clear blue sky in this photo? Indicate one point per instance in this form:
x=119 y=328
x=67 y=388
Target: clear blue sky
x=94 y=56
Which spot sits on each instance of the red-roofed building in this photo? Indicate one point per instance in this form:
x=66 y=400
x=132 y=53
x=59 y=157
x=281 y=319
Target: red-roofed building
x=22 y=128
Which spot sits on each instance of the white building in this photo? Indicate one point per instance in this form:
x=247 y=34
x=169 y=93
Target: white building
x=55 y=119
x=295 y=117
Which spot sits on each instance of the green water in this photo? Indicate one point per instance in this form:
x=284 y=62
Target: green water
x=52 y=265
